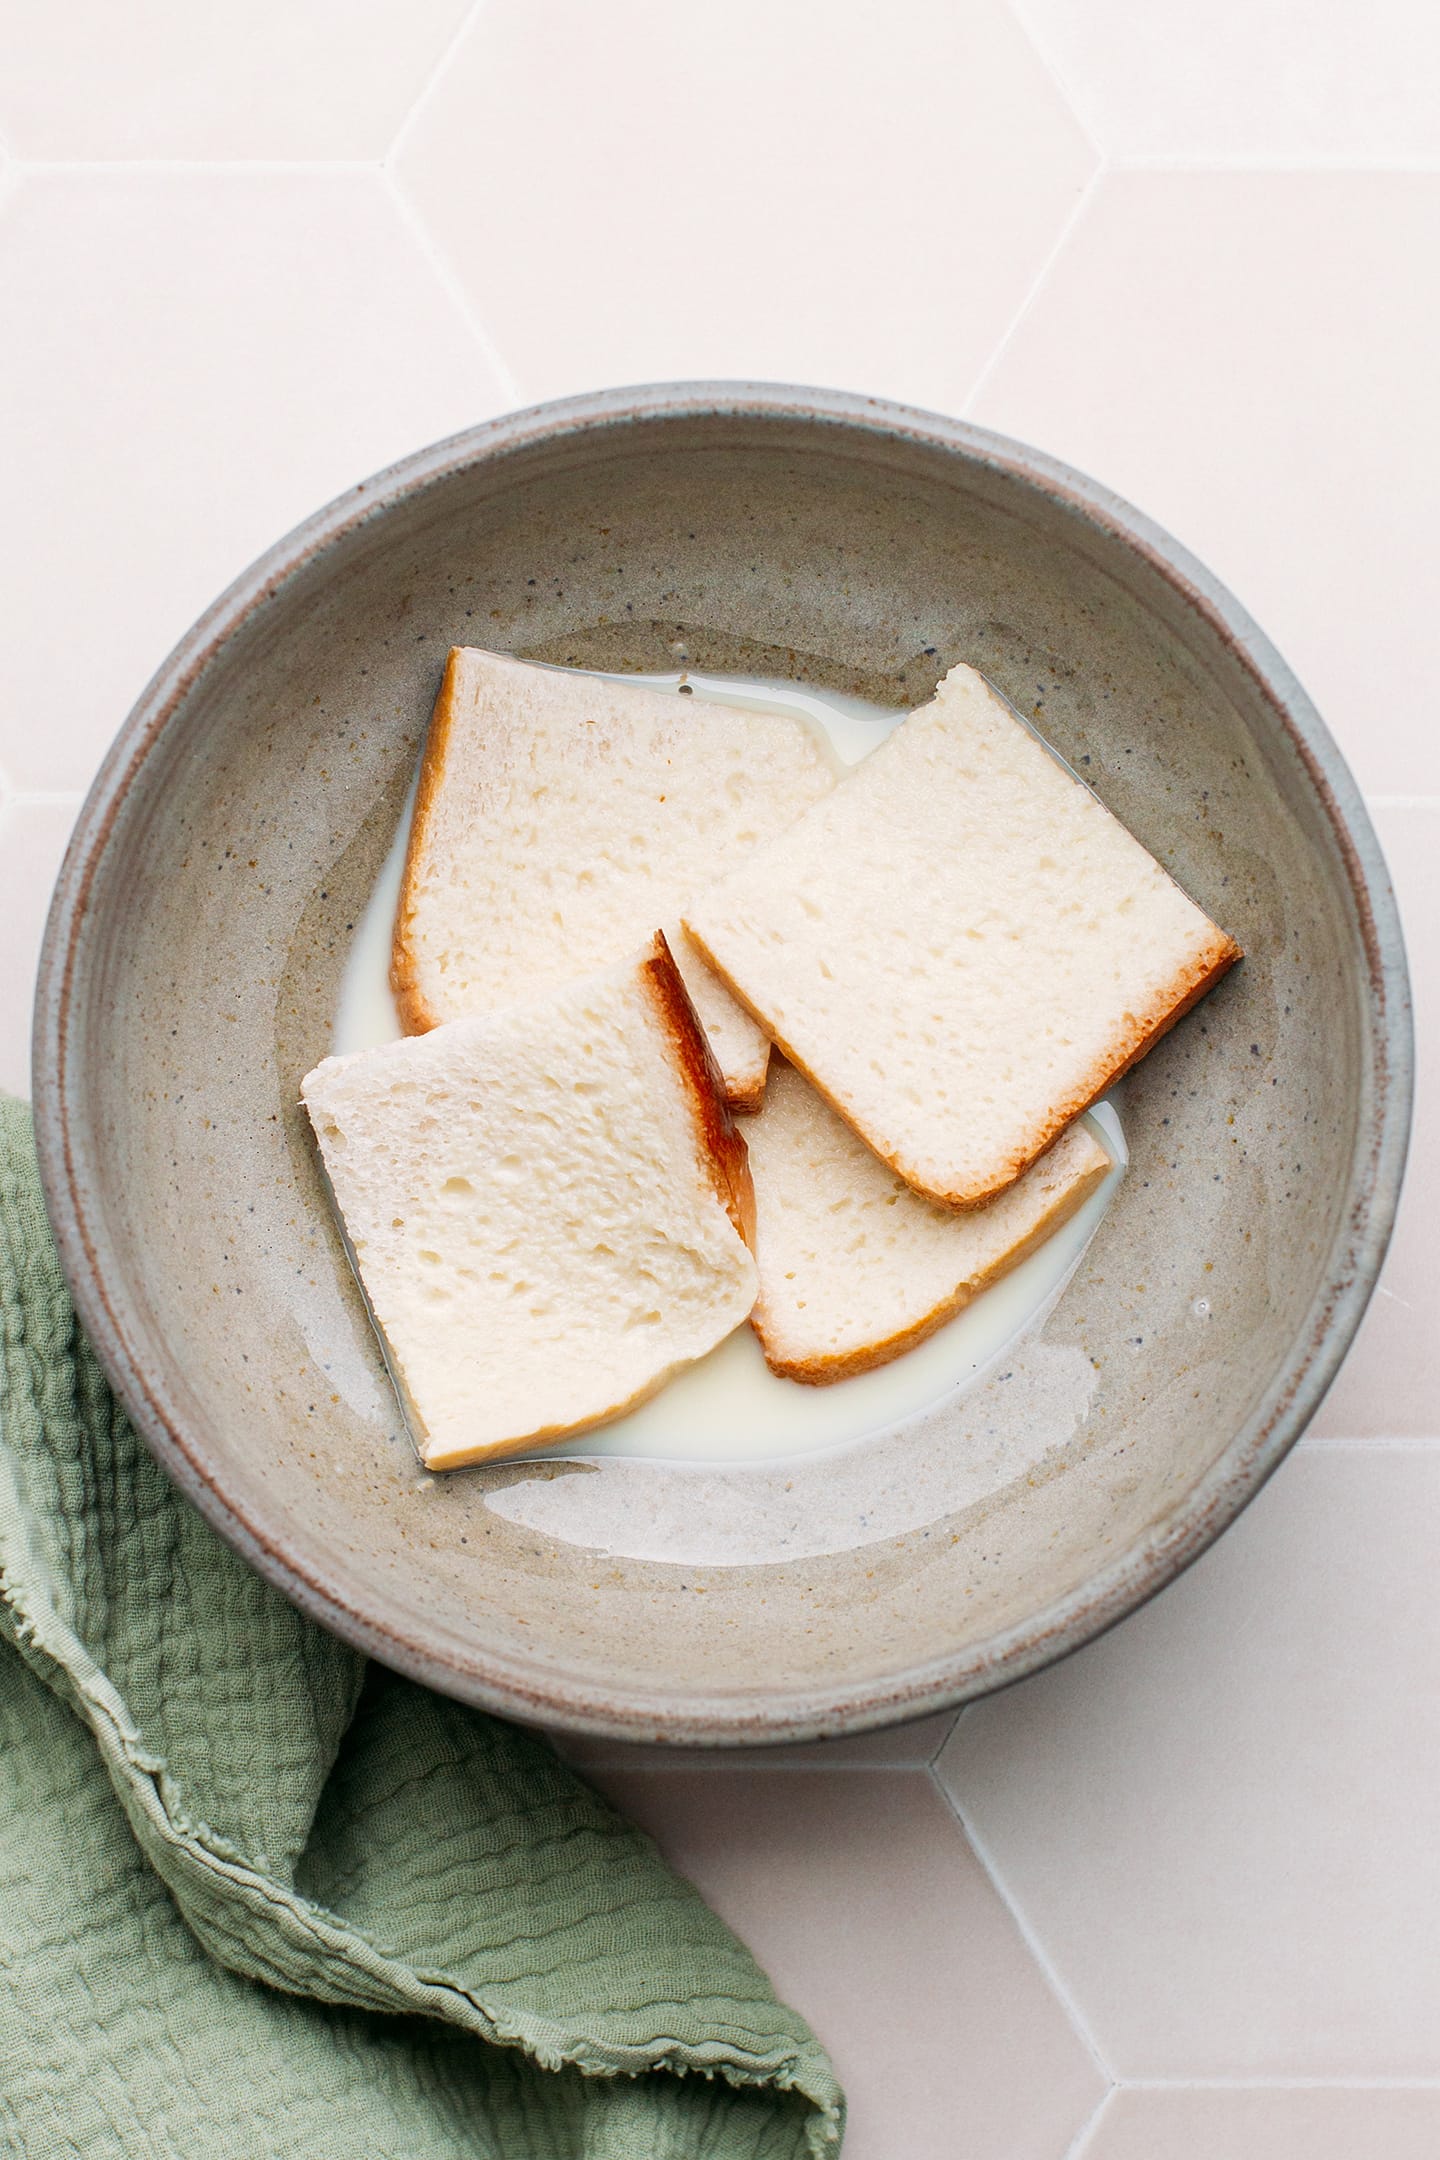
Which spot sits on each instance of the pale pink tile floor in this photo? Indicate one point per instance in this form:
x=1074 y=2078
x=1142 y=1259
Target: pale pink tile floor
x=1180 y=1898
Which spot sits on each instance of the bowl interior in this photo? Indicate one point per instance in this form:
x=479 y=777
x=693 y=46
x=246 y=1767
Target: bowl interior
x=202 y=983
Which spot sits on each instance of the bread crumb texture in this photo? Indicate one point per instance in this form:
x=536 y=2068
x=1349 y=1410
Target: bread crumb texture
x=960 y=946
x=563 y=818
x=542 y=1207
x=855 y=1267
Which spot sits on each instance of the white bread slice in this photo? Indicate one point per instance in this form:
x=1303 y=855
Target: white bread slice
x=549 y=1208
x=854 y=1266
x=562 y=819
x=960 y=946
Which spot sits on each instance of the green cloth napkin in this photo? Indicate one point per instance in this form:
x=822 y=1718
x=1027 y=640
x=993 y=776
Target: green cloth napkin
x=257 y=1899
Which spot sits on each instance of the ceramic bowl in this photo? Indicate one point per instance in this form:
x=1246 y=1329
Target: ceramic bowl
x=190 y=975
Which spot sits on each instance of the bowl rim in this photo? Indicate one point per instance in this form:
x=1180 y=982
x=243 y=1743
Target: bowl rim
x=531 y=1690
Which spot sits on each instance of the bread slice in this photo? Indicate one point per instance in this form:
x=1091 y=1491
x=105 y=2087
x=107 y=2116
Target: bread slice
x=960 y=946
x=549 y=1208
x=854 y=1266
x=563 y=818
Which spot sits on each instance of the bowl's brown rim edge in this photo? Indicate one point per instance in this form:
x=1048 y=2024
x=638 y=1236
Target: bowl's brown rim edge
x=531 y=1691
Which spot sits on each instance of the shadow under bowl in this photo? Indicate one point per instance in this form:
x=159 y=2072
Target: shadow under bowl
x=190 y=974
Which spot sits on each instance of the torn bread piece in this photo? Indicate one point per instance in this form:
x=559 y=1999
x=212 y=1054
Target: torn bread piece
x=960 y=946
x=855 y=1267
x=563 y=818
x=549 y=1208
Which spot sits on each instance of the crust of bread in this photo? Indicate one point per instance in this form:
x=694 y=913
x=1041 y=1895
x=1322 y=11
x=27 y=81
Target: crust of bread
x=726 y=1154
x=1141 y=1034
x=417 y=1016
x=746 y=1100
x=443 y=1459
x=820 y=1372
x=744 y=1091
x=720 y=1136
x=725 y=1151
x=470 y=1458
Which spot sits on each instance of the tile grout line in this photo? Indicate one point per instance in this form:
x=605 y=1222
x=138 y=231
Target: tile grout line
x=1037 y=284
x=452 y=286
x=1051 y=67
x=427 y=89
x=1272 y=161
x=246 y=167
x=1080 y=2144
x=717 y=1761
x=1280 y=2084
x=950 y=1734
x=450 y=281
x=1031 y=1940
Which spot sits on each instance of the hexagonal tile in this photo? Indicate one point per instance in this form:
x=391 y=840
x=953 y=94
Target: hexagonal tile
x=1320 y=2123
x=1218 y=1821
x=231 y=79
x=1251 y=358
x=188 y=365
x=1390 y=1383
x=801 y=193
x=32 y=841
x=1247 y=78
x=864 y=1903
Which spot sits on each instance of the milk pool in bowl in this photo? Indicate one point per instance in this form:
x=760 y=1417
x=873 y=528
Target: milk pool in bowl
x=730 y=1407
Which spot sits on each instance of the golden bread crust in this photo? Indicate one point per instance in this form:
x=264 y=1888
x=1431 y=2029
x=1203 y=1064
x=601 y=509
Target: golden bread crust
x=720 y=1136
x=417 y=1016
x=1215 y=959
x=746 y=1099
x=820 y=1372
x=467 y=1458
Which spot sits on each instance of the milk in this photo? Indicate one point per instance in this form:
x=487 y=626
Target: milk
x=730 y=1407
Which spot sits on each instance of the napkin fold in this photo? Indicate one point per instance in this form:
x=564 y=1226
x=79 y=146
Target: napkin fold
x=259 y=1899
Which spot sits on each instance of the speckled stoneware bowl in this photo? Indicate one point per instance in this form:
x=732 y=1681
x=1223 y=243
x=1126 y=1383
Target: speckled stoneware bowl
x=190 y=976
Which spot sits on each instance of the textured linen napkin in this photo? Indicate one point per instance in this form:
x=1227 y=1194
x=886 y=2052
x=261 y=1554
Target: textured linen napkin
x=257 y=1899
